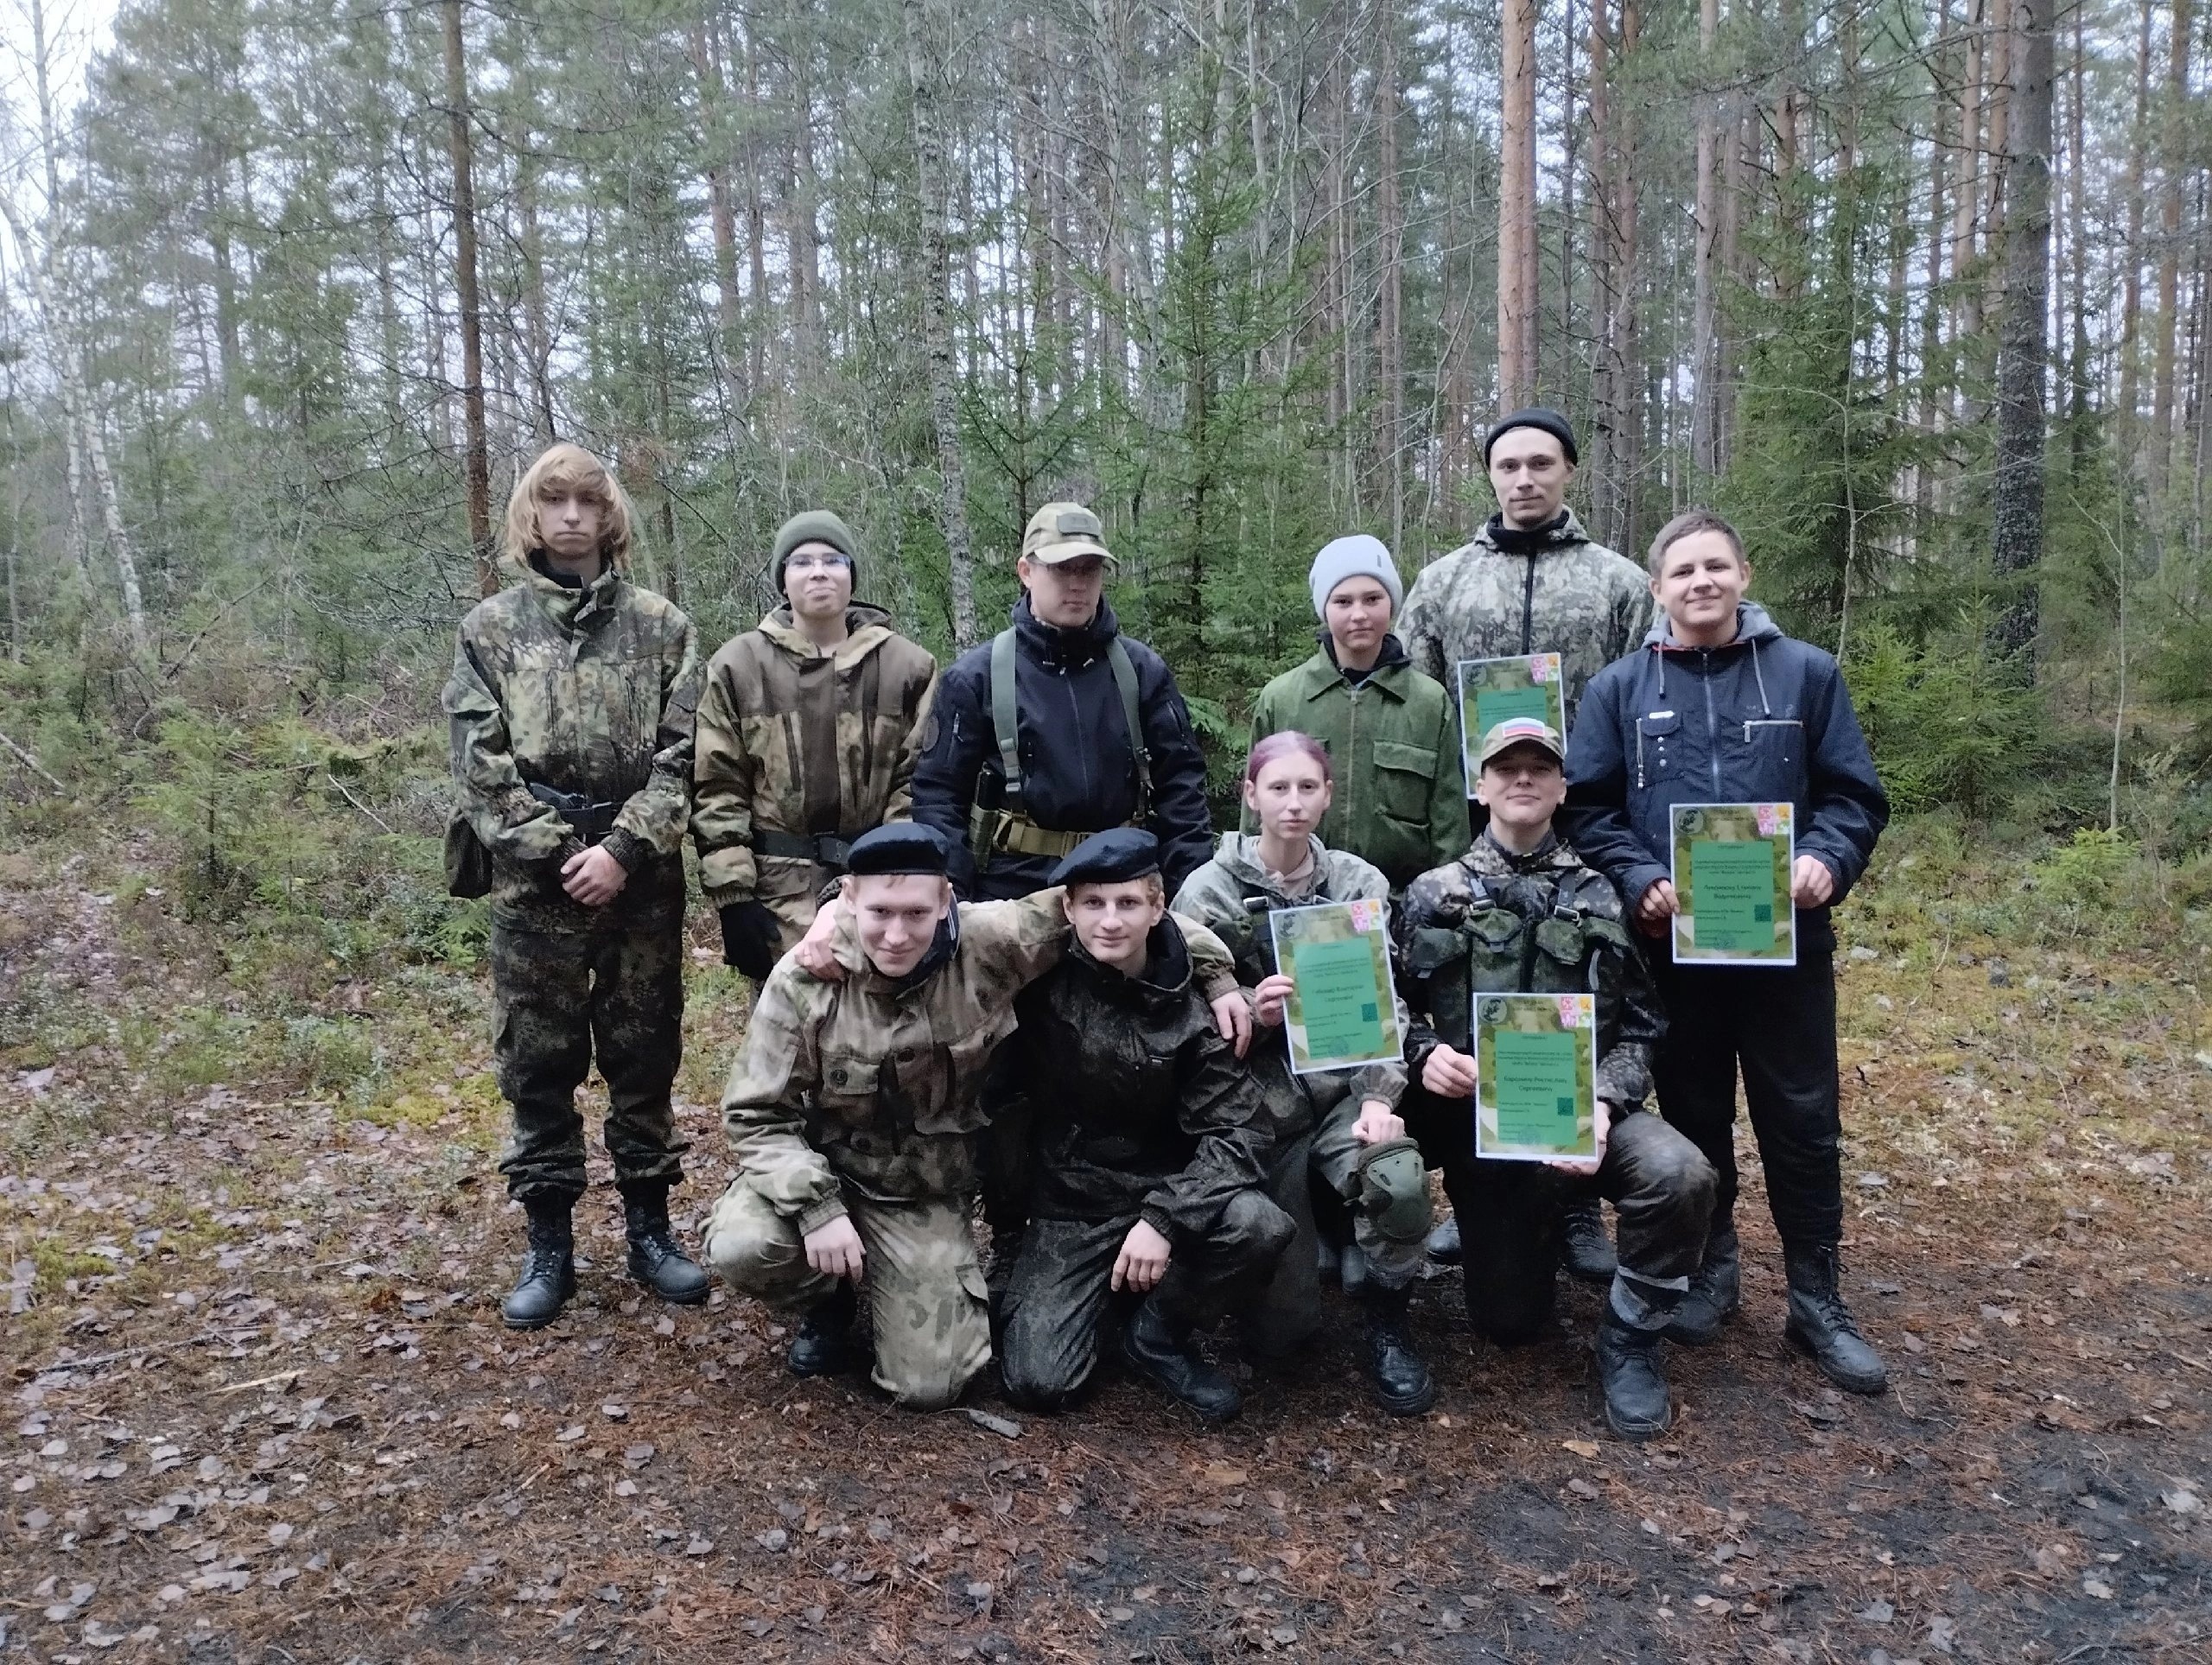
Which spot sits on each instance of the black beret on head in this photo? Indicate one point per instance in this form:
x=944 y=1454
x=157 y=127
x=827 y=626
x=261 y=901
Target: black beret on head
x=902 y=846
x=1112 y=857
x=1534 y=416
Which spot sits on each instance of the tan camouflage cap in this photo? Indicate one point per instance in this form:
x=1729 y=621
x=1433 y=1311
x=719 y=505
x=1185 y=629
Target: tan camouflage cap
x=1502 y=737
x=1063 y=531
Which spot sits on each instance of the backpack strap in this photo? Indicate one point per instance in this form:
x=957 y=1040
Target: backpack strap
x=1125 y=678
x=1003 y=718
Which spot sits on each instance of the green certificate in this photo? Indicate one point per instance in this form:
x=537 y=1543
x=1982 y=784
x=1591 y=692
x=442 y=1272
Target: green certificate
x=1493 y=691
x=1341 y=1012
x=1732 y=884
x=1535 y=1076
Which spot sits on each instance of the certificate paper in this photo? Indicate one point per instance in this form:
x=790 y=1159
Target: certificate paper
x=1491 y=690
x=1535 y=1076
x=1336 y=956
x=1731 y=883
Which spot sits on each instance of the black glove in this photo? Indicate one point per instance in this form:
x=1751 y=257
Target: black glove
x=751 y=938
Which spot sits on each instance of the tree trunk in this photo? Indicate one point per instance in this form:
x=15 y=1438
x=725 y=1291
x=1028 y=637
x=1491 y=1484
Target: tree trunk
x=1389 y=337
x=722 y=212
x=2173 y=167
x=464 y=296
x=2018 y=532
x=936 y=323
x=1966 y=195
x=1705 y=357
x=2077 y=240
x=2131 y=282
x=1516 y=209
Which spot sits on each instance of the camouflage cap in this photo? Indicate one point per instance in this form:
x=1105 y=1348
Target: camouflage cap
x=1064 y=531
x=1503 y=737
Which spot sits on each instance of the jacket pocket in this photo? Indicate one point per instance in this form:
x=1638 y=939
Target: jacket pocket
x=847 y=1094
x=1403 y=775
x=1767 y=759
x=962 y=1110
x=1658 y=747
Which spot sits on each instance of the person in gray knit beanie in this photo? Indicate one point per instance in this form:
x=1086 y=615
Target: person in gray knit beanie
x=1357 y=556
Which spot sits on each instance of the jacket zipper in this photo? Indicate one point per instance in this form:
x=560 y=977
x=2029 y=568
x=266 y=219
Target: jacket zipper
x=1712 y=720
x=1529 y=606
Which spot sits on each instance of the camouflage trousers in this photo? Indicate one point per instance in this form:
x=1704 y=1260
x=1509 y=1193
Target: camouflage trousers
x=1288 y=1310
x=558 y=998
x=924 y=1286
x=1060 y=1291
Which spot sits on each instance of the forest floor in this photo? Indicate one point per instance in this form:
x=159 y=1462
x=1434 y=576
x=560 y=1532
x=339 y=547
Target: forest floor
x=262 y=1408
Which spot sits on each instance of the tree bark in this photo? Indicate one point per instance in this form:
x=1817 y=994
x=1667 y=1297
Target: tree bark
x=2173 y=167
x=1516 y=209
x=2023 y=344
x=1705 y=357
x=936 y=323
x=479 y=466
x=2131 y=282
x=1389 y=327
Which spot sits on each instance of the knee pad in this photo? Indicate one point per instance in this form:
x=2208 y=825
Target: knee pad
x=1394 y=1189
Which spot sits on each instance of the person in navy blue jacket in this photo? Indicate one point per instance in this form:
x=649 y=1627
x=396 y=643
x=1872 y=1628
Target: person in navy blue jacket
x=1719 y=707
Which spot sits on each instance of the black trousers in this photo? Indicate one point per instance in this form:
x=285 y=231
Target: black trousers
x=1778 y=1026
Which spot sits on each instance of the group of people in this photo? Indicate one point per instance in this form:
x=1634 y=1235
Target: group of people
x=1006 y=967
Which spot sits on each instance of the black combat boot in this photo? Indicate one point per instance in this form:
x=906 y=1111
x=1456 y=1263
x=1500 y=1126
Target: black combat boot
x=655 y=1259
x=1821 y=1324
x=1444 y=1244
x=1402 y=1379
x=824 y=1346
x=549 y=1270
x=1714 y=1293
x=1588 y=1251
x=1628 y=1373
x=1164 y=1351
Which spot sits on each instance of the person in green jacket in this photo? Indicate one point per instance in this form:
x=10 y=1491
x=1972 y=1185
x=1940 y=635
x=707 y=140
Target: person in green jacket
x=1392 y=737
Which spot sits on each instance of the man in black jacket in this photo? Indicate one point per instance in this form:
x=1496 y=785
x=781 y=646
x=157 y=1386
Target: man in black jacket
x=1150 y=1146
x=1059 y=727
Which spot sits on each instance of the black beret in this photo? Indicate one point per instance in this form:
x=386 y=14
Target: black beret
x=1534 y=416
x=901 y=847
x=1111 y=857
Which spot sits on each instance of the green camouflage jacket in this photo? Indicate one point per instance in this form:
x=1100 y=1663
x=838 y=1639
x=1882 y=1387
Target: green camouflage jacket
x=874 y=1083
x=591 y=691
x=1571 y=597
x=1494 y=923
x=793 y=740
x=1217 y=894
x=1394 y=749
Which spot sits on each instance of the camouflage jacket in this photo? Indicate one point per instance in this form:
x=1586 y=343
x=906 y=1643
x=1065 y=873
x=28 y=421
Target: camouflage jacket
x=1224 y=894
x=793 y=740
x=1570 y=596
x=1494 y=923
x=587 y=691
x=873 y=1082
x=1138 y=1106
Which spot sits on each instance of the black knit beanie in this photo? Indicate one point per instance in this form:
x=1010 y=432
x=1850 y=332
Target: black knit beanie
x=1534 y=416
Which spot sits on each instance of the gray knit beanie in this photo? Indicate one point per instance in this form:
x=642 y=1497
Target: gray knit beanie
x=1357 y=557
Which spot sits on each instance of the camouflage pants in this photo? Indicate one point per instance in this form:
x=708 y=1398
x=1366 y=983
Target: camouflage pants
x=558 y=998
x=1060 y=1292
x=923 y=1284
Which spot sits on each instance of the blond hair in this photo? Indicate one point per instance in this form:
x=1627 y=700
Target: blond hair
x=566 y=467
x=1688 y=524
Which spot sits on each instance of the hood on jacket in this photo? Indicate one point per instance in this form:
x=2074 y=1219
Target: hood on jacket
x=1563 y=533
x=568 y=604
x=1753 y=625
x=1166 y=977
x=1391 y=656
x=1239 y=855
x=868 y=627
x=1072 y=648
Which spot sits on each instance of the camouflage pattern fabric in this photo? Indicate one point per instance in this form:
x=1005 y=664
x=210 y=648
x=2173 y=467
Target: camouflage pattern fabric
x=589 y=691
x=558 y=998
x=922 y=1284
x=1572 y=597
x=795 y=740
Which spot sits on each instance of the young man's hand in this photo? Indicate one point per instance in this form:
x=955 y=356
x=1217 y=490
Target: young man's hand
x=1271 y=1000
x=1378 y=1123
x=1583 y=1167
x=593 y=877
x=1143 y=1260
x=1811 y=884
x=1232 y=1015
x=813 y=952
x=1449 y=1073
x=1655 y=906
x=835 y=1250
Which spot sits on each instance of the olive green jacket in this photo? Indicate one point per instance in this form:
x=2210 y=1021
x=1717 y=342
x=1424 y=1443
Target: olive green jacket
x=1393 y=742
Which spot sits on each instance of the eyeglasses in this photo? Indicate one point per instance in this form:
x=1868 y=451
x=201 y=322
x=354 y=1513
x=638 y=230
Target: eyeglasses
x=814 y=562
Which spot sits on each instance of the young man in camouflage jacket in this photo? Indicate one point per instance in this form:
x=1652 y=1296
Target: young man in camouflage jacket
x=1519 y=913
x=809 y=726
x=570 y=707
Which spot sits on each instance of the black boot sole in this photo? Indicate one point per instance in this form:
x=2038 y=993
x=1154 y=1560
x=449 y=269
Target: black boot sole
x=1638 y=1433
x=696 y=1298
x=1871 y=1388
x=1414 y=1405
x=567 y=1295
x=1686 y=1335
x=1211 y=1416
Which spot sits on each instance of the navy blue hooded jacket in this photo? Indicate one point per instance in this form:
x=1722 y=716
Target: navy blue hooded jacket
x=1079 y=774
x=1764 y=719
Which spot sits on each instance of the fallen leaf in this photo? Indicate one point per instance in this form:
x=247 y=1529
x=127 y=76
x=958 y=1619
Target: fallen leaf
x=1225 y=1474
x=1581 y=1447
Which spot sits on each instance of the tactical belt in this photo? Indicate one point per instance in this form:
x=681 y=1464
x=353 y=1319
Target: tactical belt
x=591 y=822
x=823 y=849
x=994 y=831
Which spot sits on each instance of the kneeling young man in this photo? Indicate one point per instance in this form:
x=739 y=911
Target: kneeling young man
x=1149 y=1145
x=1519 y=913
x=853 y=1110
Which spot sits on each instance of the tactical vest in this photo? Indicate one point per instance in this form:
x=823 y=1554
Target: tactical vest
x=1495 y=950
x=1008 y=826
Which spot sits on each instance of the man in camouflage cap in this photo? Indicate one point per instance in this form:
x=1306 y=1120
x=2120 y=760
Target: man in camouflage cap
x=853 y=1110
x=571 y=705
x=1530 y=581
x=808 y=730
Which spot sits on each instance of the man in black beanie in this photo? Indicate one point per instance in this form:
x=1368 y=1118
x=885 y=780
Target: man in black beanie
x=1530 y=581
x=809 y=729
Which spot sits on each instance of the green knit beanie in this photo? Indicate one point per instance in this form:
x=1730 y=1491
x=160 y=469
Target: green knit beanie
x=815 y=526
